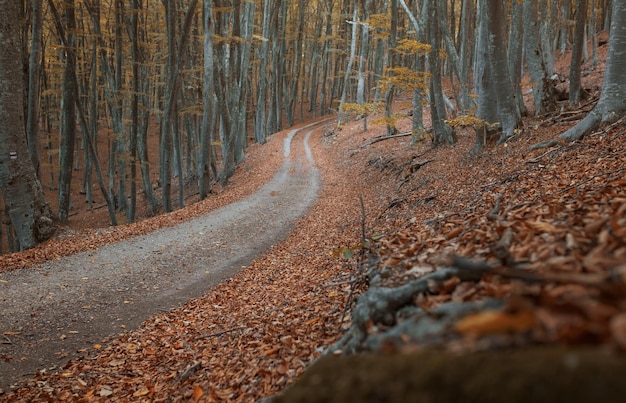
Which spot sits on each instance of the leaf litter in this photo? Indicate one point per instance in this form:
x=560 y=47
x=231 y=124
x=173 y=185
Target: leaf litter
x=548 y=227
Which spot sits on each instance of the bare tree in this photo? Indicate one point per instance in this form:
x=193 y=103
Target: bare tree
x=497 y=106
x=577 y=52
x=612 y=105
x=68 y=113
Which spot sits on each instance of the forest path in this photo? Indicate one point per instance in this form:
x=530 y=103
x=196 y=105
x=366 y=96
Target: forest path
x=52 y=310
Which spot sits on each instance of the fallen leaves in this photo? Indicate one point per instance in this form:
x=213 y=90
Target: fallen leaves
x=255 y=334
x=496 y=322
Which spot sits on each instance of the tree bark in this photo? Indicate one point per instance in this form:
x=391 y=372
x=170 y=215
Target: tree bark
x=30 y=214
x=68 y=114
x=34 y=84
x=542 y=92
x=497 y=106
x=577 y=52
x=611 y=105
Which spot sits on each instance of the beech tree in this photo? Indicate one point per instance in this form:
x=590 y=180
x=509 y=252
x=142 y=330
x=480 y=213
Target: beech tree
x=612 y=105
x=28 y=210
x=497 y=106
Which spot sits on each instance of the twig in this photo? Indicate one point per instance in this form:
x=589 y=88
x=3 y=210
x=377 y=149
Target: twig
x=351 y=281
x=217 y=334
x=502 y=248
x=413 y=167
x=494 y=214
x=383 y=138
x=189 y=371
x=592 y=178
x=544 y=144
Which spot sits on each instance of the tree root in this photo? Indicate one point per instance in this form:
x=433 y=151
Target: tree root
x=380 y=304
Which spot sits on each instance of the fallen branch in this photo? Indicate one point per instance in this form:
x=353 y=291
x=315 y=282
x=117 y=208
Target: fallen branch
x=544 y=144
x=385 y=137
x=379 y=304
x=217 y=334
x=189 y=371
x=414 y=167
x=351 y=281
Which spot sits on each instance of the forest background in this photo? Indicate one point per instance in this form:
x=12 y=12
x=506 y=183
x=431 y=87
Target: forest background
x=102 y=79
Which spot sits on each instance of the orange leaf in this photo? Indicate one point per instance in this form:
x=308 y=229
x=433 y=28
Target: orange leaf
x=198 y=392
x=542 y=226
x=455 y=232
x=618 y=330
x=496 y=322
x=142 y=392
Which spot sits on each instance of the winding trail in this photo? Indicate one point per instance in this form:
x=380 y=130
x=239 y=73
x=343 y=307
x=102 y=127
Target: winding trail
x=50 y=311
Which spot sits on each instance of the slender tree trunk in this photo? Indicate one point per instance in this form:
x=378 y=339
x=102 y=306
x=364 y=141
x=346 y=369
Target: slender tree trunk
x=297 y=66
x=68 y=114
x=515 y=53
x=34 y=84
x=260 y=126
x=442 y=132
x=542 y=92
x=208 y=113
x=611 y=105
x=348 y=73
x=577 y=52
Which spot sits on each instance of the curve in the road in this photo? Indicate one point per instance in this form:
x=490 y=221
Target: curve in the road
x=52 y=310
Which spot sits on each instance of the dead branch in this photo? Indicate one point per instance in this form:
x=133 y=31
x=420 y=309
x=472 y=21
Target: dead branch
x=413 y=167
x=502 y=248
x=189 y=371
x=379 y=304
x=494 y=214
x=385 y=137
x=351 y=281
x=217 y=334
x=544 y=144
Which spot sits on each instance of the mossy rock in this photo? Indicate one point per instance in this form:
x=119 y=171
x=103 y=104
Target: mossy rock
x=526 y=375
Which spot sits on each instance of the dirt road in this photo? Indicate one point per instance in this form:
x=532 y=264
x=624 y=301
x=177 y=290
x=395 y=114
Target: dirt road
x=50 y=311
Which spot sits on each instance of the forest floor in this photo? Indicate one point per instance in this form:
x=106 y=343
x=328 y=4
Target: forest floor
x=544 y=228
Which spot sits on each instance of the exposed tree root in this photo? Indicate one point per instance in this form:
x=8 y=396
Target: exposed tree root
x=380 y=304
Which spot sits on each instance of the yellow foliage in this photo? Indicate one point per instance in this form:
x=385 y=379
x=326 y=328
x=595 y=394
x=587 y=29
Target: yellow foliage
x=387 y=121
x=381 y=23
x=469 y=120
x=360 y=109
x=405 y=78
x=410 y=47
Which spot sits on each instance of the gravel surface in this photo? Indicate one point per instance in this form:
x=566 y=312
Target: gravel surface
x=50 y=311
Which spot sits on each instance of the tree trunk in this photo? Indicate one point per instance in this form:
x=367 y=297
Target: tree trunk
x=577 y=52
x=25 y=202
x=496 y=99
x=542 y=92
x=260 y=123
x=34 y=81
x=208 y=112
x=442 y=132
x=68 y=114
x=611 y=105
x=346 y=78
x=516 y=35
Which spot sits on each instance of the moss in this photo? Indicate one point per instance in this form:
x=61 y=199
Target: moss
x=528 y=375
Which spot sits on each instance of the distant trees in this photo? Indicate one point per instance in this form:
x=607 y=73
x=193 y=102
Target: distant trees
x=105 y=79
x=612 y=104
